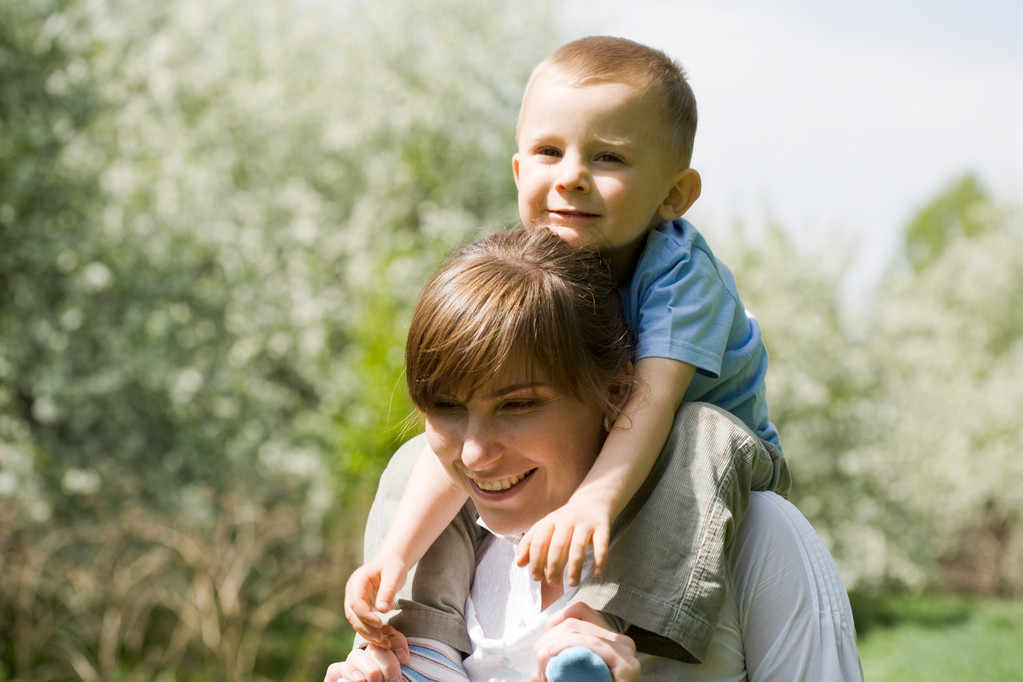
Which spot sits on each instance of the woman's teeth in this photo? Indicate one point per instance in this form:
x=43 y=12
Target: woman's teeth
x=498 y=486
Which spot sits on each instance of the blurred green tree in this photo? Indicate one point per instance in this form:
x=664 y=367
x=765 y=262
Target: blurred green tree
x=215 y=217
x=950 y=337
x=960 y=210
x=47 y=203
x=898 y=422
x=214 y=212
x=822 y=385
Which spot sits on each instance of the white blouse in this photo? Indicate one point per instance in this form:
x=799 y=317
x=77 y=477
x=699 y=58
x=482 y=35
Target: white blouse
x=787 y=615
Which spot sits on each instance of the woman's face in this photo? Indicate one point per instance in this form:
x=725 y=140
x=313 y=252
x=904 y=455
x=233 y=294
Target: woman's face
x=519 y=447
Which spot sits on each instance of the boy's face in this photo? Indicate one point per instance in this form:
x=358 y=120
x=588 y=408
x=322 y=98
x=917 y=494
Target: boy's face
x=592 y=164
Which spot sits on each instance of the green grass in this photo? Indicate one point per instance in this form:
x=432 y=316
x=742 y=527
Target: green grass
x=938 y=637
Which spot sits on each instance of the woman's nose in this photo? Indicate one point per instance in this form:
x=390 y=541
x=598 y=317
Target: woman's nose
x=479 y=447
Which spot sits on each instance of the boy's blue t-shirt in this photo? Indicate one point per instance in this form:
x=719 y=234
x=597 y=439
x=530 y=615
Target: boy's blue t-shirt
x=682 y=303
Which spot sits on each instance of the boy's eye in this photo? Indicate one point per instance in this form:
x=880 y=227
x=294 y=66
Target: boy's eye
x=548 y=151
x=610 y=157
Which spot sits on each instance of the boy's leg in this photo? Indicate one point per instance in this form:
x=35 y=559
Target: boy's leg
x=770 y=472
x=665 y=580
x=431 y=661
x=432 y=602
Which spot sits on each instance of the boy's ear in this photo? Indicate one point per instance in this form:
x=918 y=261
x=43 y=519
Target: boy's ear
x=515 y=168
x=681 y=195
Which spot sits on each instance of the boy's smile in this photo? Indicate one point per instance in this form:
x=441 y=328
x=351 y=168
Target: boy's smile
x=593 y=164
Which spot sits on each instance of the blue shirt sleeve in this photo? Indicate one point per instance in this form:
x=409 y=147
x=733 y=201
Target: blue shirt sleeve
x=682 y=303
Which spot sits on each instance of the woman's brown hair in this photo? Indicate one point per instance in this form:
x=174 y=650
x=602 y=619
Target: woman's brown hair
x=519 y=295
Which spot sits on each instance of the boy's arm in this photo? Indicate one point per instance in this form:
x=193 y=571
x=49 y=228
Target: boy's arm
x=425 y=510
x=559 y=540
x=427 y=507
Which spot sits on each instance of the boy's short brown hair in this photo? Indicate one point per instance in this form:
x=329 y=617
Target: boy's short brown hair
x=619 y=60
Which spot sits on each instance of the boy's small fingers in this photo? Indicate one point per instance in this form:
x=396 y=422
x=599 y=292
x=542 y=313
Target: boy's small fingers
x=385 y=598
x=360 y=622
x=555 y=567
x=538 y=567
x=522 y=552
x=367 y=635
x=555 y=563
x=368 y=617
x=537 y=559
x=560 y=552
x=379 y=637
x=360 y=605
x=574 y=567
x=600 y=542
x=372 y=634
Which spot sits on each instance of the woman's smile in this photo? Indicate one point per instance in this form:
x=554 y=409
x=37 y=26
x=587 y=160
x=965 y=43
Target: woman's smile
x=518 y=446
x=500 y=485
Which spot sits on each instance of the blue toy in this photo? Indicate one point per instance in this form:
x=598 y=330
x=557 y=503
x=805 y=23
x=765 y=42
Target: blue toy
x=577 y=664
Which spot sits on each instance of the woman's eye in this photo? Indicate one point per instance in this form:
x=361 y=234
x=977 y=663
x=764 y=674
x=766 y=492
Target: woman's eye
x=520 y=405
x=445 y=406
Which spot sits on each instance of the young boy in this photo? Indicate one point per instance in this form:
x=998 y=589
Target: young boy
x=604 y=141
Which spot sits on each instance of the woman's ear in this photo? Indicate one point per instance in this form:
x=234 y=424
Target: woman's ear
x=682 y=194
x=620 y=390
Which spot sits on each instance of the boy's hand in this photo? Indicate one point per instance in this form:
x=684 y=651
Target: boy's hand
x=372 y=588
x=556 y=544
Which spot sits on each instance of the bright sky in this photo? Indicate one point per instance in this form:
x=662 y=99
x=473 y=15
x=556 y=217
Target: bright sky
x=838 y=116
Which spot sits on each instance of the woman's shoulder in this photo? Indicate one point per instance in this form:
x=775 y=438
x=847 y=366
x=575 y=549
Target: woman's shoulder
x=774 y=531
x=793 y=608
x=767 y=509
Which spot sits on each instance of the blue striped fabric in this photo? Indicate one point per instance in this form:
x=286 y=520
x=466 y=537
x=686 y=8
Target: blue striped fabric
x=427 y=664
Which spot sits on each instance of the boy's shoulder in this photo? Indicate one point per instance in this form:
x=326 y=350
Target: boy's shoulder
x=676 y=255
x=674 y=240
x=679 y=227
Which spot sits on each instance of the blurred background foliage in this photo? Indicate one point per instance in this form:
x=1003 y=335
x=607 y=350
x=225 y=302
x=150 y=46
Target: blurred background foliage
x=214 y=219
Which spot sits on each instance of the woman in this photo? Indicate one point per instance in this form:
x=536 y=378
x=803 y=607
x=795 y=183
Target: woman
x=518 y=359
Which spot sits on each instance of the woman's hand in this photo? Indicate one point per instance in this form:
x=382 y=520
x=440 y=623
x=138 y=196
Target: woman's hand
x=579 y=625
x=556 y=544
x=374 y=663
x=370 y=587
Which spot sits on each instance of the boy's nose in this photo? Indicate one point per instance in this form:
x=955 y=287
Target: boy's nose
x=573 y=177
